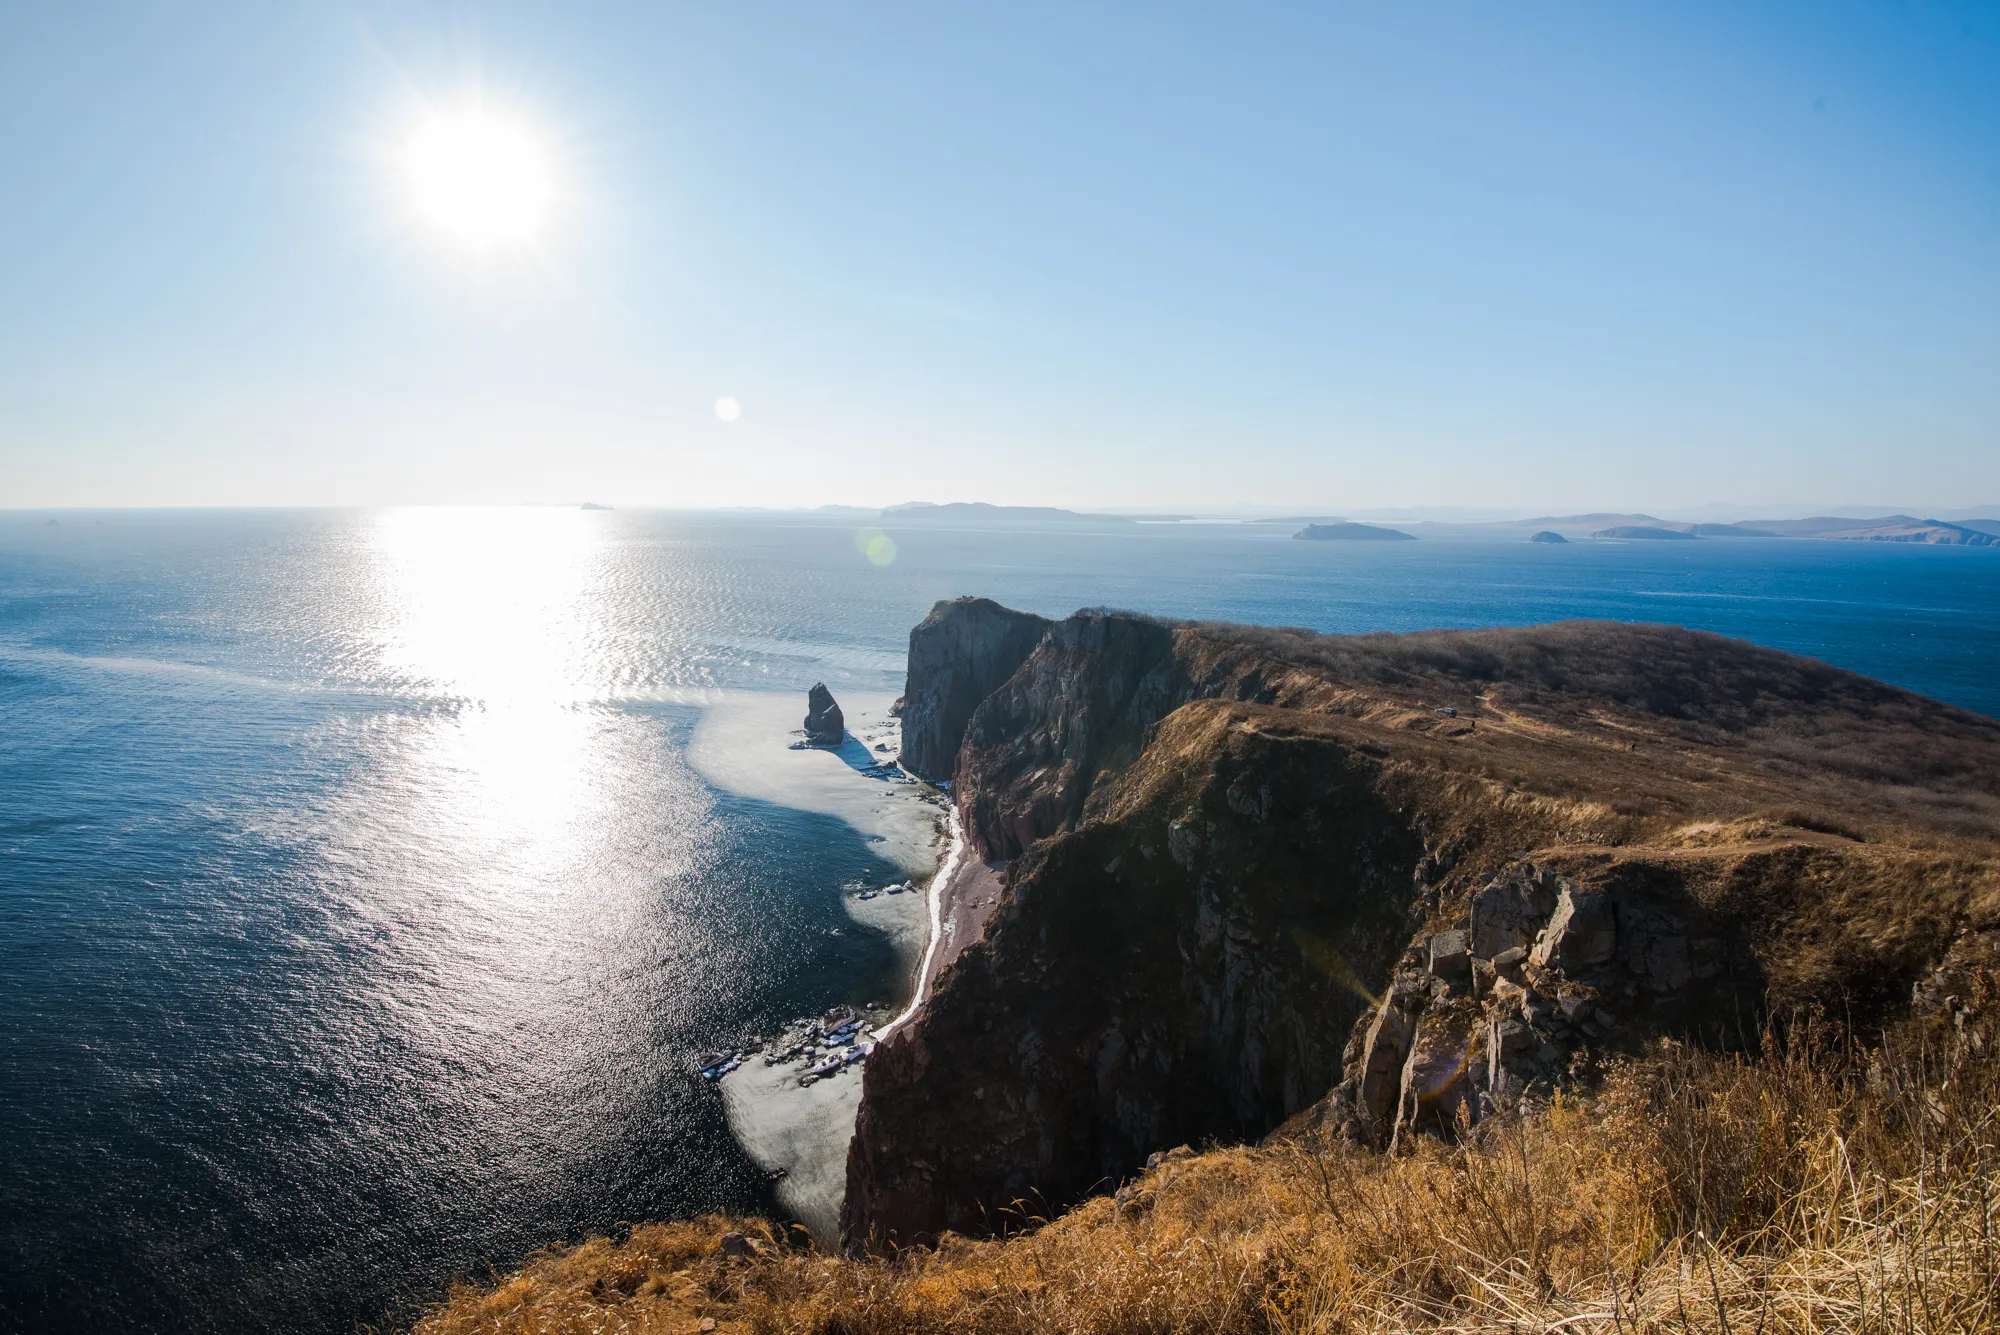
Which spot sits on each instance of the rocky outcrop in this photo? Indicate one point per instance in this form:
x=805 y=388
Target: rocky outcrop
x=824 y=724
x=960 y=654
x=1437 y=875
x=1077 y=708
x=1580 y=954
x=1542 y=972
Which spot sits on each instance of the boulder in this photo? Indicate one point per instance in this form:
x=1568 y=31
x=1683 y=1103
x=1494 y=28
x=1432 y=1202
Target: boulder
x=1451 y=960
x=1582 y=933
x=824 y=724
x=1510 y=912
x=1439 y=1077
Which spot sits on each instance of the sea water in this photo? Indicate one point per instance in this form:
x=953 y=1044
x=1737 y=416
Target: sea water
x=361 y=913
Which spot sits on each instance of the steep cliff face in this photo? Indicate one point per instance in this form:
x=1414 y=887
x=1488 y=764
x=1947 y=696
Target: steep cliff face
x=1433 y=874
x=1078 y=707
x=1180 y=970
x=1081 y=708
x=959 y=655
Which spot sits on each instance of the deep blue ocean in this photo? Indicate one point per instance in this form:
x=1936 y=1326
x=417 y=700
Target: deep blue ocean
x=359 y=912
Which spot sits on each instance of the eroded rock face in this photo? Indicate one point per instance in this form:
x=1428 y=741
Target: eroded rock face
x=959 y=655
x=1627 y=946
x=1580 y=934
x=825 y=725
x=1176 y=973
x=1510 y=912
x=1078 y=707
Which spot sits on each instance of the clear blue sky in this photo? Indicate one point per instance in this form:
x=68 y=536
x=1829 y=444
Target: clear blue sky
x=1322 y=256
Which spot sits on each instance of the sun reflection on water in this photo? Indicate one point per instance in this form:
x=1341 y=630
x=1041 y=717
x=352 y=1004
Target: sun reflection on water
x=489 y=610
x=489 y=603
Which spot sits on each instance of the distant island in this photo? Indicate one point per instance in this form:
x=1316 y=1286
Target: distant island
x=1970 y=532
x=1342 y=531
x=1655 y=532
x=981 y=512
x=1887 y=528
x=1973 y=529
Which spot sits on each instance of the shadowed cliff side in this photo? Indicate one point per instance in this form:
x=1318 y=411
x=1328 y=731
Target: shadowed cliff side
x=959 y=655
x=1223 y=840
x=1150 y=980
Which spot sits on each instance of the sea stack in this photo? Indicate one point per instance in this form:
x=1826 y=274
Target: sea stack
x=824 y=724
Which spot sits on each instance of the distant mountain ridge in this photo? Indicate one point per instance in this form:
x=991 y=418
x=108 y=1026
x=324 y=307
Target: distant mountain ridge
x=1842 y=528
x=1975 y=529
x=974 y=511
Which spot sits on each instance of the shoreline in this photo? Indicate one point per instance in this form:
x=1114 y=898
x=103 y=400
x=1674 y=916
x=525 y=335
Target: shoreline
x=941 y=881
x=744 y=744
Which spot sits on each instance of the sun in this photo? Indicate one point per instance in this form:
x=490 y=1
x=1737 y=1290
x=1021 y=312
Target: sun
x=481 y=179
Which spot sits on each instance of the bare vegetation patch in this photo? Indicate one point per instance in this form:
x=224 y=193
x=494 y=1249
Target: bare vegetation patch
x=1815 y=1188
x=1690 y=700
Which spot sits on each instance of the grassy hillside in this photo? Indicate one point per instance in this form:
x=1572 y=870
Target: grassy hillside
x=1817 y=1188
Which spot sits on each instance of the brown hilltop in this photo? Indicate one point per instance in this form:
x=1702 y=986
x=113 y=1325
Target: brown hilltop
x=1222 y=844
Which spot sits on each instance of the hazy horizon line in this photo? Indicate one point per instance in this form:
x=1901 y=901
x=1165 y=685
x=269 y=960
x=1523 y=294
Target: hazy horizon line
x=1410 y=513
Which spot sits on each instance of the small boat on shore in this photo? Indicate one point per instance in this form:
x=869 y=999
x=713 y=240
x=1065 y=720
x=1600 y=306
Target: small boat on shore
x=721 y=1068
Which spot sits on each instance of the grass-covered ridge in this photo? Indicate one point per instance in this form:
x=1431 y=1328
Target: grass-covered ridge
x=1819 y=1187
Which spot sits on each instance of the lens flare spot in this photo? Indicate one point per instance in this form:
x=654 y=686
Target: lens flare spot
x=876 y=545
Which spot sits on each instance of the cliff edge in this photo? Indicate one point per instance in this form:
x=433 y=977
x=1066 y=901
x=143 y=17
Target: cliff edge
x=959 y=655
x=1390 y=885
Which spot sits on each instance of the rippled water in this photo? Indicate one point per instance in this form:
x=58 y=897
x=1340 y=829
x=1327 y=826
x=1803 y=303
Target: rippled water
x=359 y=912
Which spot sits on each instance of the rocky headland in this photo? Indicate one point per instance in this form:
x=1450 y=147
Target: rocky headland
x=1235 y=881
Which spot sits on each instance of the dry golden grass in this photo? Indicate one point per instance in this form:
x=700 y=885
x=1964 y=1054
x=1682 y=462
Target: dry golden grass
x=1813 y=1190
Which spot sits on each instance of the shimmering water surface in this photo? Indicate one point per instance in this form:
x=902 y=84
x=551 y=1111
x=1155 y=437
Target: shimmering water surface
x=359 y=913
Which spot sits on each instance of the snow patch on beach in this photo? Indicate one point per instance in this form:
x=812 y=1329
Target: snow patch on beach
x=743 y=744
x=799 y=1131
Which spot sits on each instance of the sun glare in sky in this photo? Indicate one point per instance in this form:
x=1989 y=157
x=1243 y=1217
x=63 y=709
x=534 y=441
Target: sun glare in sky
x=483 y=180
x=728 y=409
